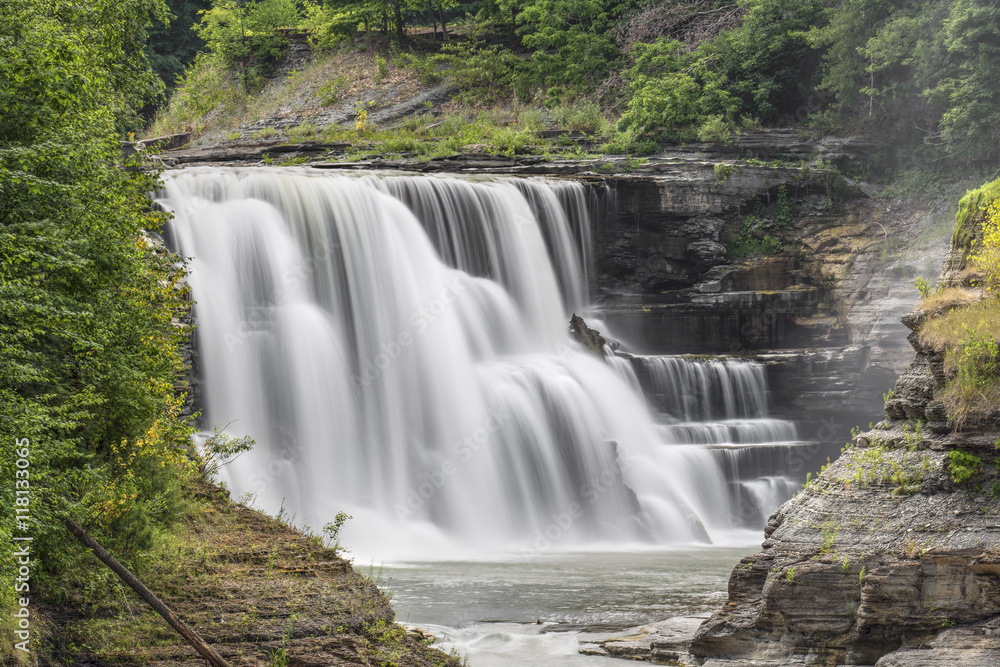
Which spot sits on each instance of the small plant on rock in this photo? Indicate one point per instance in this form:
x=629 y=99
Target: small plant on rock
x=332 y=531
x=963 y=465
x=381 y=68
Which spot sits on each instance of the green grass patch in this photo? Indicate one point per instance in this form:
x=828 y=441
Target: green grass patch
x=760 y=233
x=968 y=334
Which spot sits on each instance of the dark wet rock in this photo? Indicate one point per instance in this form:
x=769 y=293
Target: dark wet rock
x=589 y=338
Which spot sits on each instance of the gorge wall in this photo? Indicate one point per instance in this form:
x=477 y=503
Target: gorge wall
x=881 y=553
x=822 y=312
x=887 y=558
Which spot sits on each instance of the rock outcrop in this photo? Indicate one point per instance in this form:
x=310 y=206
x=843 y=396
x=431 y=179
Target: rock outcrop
x=663 y=643
x=823 y=312
x=882 y=552
x=891 y=557
x=589 y=338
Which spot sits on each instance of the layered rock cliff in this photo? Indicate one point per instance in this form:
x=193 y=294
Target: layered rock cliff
x=822 y=312
x=892 y=556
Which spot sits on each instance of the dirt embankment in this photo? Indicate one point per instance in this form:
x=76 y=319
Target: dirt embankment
x=257 y=590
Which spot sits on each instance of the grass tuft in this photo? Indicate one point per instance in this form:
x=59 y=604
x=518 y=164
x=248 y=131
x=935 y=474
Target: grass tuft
x=940 y=302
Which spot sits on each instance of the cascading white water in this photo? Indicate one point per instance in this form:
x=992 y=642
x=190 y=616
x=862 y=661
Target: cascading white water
x=397 y=347
x=721 y=405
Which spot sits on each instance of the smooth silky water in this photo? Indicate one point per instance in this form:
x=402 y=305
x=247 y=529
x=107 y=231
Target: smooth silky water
x=397 y=346
x=539 y=611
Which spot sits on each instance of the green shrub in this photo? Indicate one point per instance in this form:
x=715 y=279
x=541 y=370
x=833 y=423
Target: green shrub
x=399 y=144
x=760 y=230
x=425 y=67
x=207 y=85
x=986 y=258
x=332 y=531
x=330 y=92
x=722 y=172
x=484 y=74
x=716 y=129
x=510 y=142
x=976 y=358
x=923 y=287
x=302 y=131
x=963 y=465
x=674 y=91
x=585 y=117
x=381 y=68
x=627 y=143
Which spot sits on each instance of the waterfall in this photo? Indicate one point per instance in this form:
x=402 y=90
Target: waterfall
x=397 y=347
x=721 y=405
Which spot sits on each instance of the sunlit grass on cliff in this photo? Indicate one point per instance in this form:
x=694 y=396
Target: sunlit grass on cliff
x=341 y=96
x=942 y=301
x=968 y=335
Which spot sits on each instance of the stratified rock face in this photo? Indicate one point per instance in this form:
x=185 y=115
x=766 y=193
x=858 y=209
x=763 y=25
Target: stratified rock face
x=973 y=646
x=823 y=313
x=881 y=552
x=668 y=227
x=884 y=559
x=913 y=396
x=844 y=276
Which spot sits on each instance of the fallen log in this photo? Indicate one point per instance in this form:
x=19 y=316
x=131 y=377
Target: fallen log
x=163 y=610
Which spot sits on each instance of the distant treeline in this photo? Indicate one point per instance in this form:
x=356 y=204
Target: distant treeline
x=921 y=73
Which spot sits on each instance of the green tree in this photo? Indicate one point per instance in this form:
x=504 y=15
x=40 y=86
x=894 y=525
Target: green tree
x=247 y=35
x=762 y=69
x=172 y=46
x=970 y=91
x=675 y=92
x=89 y=352
x=572 y=48
x=767 y=59
x=845 y=32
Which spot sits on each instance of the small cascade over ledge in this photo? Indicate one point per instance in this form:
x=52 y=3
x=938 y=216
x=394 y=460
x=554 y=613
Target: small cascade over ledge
x=397 y=347
x=722 y=405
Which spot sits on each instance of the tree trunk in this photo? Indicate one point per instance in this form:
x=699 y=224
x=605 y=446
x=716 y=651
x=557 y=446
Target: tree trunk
x=444 y=25
x=163 y=610
x=397 y=10
x=430 y=10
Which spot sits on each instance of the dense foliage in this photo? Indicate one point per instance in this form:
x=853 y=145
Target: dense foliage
x=986 y=258
x=173 y=44
x=89 y=347
x=964 y=322
x=923 y=75
x=247 y=36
